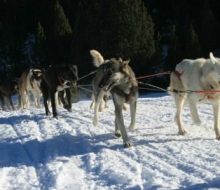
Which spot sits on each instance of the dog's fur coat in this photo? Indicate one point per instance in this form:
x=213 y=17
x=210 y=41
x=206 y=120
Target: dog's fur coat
x=194 y=80
x=58 y=78
x=117 y=77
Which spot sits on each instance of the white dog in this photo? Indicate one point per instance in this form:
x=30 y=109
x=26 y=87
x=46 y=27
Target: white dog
x=196 y=80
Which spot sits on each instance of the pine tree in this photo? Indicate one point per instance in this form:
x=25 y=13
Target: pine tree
x=129 y=29
x=174 y=50
x=207 y=27
x=192 y=48
x=59 y=35
x=119 y=28
x=40 y=45
x=61 y=26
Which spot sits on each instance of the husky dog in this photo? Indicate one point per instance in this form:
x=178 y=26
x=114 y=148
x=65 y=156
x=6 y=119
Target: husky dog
x=7 y=90
x=196 y=80
x=116 y=76
x=29 y=82
x=58 y=78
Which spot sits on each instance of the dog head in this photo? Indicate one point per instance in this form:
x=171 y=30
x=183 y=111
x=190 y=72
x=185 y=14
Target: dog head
x=67 y=75
x=115 y=71
x=211 y=73
x=37 y=74
x=215 y=67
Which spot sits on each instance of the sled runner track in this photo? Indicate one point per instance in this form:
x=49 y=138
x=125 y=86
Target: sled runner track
x=69 y=152
x=26 y=151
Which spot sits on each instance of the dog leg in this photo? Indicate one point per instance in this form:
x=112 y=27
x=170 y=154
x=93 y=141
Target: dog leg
x=52 y=96
x=97 y=104
x=216 y=120
x=118 y=102
x=93 y=102
x=179 y=100
x=133 y=106
x=45 y=100
x=68 y=106
x=194 y=112
x=25 y=100
x=22 y=100
x=38 y=96
x=102 y=105
x=2 y=102
x=117 y=131
x=11 y=103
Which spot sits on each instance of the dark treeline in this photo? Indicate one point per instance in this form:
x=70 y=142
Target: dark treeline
x=153 y=34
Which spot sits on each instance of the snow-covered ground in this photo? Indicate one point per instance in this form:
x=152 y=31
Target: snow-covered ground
x=68 y=153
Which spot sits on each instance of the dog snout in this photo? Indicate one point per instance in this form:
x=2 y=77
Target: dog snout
x=68 y=83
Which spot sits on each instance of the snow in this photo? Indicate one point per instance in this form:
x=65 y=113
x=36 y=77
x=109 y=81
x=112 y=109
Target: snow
x=43 y=153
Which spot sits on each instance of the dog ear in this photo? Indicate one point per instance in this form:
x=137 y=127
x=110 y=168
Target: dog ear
x=73 y=67
x=124 y=66
x=212 y=58
x=120 y=59
x=126 y=62
x=37 y=72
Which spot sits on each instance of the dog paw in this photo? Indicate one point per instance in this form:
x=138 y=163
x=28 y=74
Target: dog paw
x=131 y=128
x=48 y=114
x=218 y=137
x=127 y=144
x=183 y=132
x=95 y=122
x=118 y=134
x=55 y=117
x=198 y=122
x=68 y=108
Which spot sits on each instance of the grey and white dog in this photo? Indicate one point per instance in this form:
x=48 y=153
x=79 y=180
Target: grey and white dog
x=115 y=76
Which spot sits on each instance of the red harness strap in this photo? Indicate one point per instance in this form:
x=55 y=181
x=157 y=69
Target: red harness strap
x=61 y=80
x=178 y=74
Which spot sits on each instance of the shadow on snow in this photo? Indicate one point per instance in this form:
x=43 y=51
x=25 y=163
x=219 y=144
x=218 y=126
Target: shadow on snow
x=35 y=152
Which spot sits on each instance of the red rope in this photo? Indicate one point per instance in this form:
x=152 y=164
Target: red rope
x=157 y=74
x=206 y=91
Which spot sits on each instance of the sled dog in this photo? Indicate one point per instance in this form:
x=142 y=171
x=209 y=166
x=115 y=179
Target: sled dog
x=196 y=81
x=58 y=78
x=29 y=83
x=115 y=76
x=8 y=88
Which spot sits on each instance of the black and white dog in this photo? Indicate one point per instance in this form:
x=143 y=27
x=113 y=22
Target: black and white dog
x=58 y=78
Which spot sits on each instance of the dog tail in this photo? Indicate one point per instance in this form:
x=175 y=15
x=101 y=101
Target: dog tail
x=176 y=84
x=97 y=58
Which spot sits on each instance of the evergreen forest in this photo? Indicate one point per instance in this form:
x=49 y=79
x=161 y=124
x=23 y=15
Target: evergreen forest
x=154 y=34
